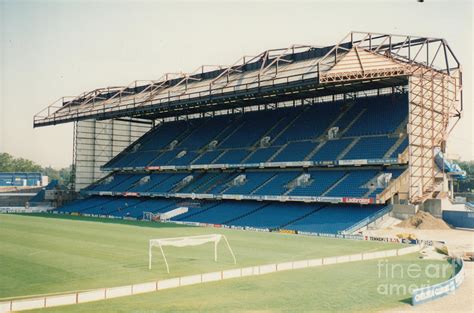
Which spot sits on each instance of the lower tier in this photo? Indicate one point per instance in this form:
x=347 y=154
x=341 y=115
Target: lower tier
x=265 y=215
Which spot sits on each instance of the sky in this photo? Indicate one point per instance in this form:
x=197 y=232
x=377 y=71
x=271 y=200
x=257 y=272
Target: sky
x=50 y=49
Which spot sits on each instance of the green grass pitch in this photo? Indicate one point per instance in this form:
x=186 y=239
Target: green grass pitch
x=40 y=255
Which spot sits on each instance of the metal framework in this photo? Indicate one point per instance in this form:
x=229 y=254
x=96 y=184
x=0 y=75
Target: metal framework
x=435 y=89
x=433 y=112
x=360 y=61
x=271 y=76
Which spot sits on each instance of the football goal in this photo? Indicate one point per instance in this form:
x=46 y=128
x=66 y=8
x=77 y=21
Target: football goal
x=187 y=242
x=150 y=216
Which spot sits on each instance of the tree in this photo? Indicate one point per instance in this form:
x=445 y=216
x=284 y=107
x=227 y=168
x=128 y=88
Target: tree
x=467 y=184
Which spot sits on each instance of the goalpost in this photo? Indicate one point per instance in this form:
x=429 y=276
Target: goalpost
x=150 y=216
x=185 y=242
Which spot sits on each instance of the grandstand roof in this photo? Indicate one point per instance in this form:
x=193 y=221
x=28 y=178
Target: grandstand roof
x=359 y=61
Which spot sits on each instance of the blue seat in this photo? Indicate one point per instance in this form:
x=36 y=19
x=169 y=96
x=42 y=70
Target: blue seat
x=319 y=183
x=314 y=217
x=262 y=155
x=234 y=156
x=295 y=151
x=331 y=150
x=275 y=215
x=400 y=148
x=352 y=184
x=278 y=183
x=253 y=180
x=383 y=115
x=299 y=130
x=370 y=148
x=224 y=212
x=334 y=218
x=207 y=157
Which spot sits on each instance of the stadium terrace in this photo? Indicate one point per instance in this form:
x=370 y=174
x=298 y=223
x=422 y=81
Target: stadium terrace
x=303 y=139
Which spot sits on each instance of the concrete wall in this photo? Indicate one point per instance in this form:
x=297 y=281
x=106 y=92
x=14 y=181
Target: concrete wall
x=403 y=211
x=459 y=218
x=96 y=142
x=433 y=206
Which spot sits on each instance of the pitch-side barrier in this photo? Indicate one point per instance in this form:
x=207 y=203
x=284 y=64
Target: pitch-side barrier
x=15 y=305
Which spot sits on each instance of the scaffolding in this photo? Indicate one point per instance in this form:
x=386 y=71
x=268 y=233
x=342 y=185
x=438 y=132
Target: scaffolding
x=433 y=112
x=435 y=94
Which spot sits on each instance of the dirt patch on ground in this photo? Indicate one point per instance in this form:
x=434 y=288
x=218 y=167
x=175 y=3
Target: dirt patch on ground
x=423 y=220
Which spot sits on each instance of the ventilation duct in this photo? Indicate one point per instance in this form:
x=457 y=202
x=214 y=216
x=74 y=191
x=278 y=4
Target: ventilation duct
x=302 y=180
x=136 y=147
x=187 y=179
x=383 y=180
x=144 y=180
x=332 y=132
x=181 y=154
x=239 y=180
x=265 y=141
x=173 y=144
x=212 y=145
x=184 y=182
x=108 y=180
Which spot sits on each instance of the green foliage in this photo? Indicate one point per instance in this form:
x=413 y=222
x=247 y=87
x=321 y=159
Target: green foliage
x=466 y=185
x=63 y=175
x=8 y=163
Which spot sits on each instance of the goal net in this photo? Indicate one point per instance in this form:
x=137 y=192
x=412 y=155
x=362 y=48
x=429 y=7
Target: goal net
x=150 y=216
x=187 y=242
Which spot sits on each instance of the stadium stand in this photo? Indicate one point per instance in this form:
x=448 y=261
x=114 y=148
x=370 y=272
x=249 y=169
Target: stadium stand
x=278 y=157
x=403 y=145
x=40 y=197
x=332 y=182
x=274 y=215
x=304 y=138
x=370 y=148
x=15 y=179
x=225 y=212
x=278 y=184
x=334 y=218
x=316 y=217
x=331 y=149
x=292 y=135
x=320 y=182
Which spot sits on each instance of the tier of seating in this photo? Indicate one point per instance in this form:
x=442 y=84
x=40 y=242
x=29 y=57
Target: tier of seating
x=118 y=206
x=316 y=218
x=340 y=134
x=339 y=182
x=369 y=128
x=333 y=218
x=12 y=179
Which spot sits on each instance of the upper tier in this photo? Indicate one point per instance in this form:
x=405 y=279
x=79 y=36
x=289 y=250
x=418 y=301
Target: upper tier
x=371 y=128
x=309 y=185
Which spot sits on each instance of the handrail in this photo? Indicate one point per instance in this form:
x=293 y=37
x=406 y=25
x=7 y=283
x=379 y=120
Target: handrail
x=470 y=206
x=366 y=221
x=84 y=104
x=171 y=98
